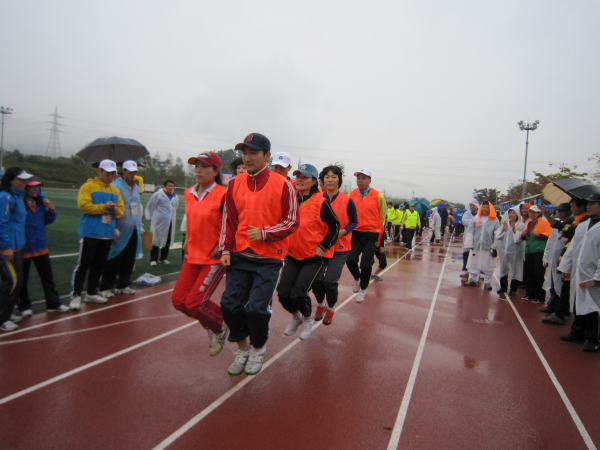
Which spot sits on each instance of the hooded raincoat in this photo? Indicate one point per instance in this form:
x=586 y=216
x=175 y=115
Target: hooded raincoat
x=511 y=249
x=483 y=232
x=554 y=248
x=582 y=261
x=467 y=218
x=162 y=211
x=436 y=223
x=131 y=219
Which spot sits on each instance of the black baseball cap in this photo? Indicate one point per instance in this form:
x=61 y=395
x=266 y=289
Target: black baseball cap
x=595 y=197
x=564 y=207
x=255 y=141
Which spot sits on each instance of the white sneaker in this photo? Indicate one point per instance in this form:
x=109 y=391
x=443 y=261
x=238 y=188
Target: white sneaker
x=125 y=291
x=107 y=294
x=361 y=296
x=152 y=263
x=307 y=324
x=255 y=360
x=239 y=363
x=482 y=276
x=75 y=303
x=15 y=319
x=211 y=338
x=27 y=313
x=292 y=327
x=356 y=286
x=95 y=299
x=464 y=273
x=164 y=261
x=219 y=341
x=60 y=309
x=9 y=326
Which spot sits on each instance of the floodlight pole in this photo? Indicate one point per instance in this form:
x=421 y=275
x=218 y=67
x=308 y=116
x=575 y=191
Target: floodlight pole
x=528 y=127
x=3 y=111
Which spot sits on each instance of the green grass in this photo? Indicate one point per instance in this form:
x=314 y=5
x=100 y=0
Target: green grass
x=63 y=238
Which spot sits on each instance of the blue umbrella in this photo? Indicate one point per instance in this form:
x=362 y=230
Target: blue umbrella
x=116 y=148
x=421 y=204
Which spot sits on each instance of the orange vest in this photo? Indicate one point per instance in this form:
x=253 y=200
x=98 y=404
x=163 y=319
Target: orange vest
x=203 y=224
x=259 y=209
x=340 y=208
x=311 y=232
x=367 y=210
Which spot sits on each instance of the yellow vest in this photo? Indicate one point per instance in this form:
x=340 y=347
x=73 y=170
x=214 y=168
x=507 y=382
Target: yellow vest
x=411 y=219
x=390 y=214
x=398 y=217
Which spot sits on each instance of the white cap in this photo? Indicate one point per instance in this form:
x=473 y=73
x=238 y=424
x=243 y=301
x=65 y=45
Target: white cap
x=107 y=165
x=535 y=208
x=282 y=159
x=130 y=166
x=364 y=171
x=24 y=176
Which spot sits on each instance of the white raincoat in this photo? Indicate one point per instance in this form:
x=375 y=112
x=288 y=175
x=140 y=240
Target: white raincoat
x=511 y=248
x=162 y=212
x=482 y=230
x=436 y=223
x=466 y=221
x=130 y=220
x=582 y=261
x=554 y=248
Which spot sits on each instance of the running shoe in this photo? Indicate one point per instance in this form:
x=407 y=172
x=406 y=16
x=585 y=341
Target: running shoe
x=464 y=273
x=75 y=303
x=9 y=326
x=108 y=293
x=376 y=277
x=470 y=283
x=328 y=317
x=306 y=330
x=164 y=261
x=211 y=338
x=537 y=300
x=255 y=360
x=481 y=276
x=512 y=292
x=15 y=319
x=488 y=286
x=293 y=325
x=553 y=319
x=27 y=313
x=501 y=291
x=570 y=338
x=319 y=312
x=356 y=286
x=589 y=347
x=361 y=296
x=59 y=309
x=152 y=263
x=96 y=298
x=239 y=363
x=219 y=341
x=527 y=297
x=545 y=309
x=126 y=291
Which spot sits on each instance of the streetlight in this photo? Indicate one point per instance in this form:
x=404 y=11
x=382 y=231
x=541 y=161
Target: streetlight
x=3 y=111
x=528 y=127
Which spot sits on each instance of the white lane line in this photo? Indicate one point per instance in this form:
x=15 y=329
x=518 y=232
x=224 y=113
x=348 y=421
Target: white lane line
x=37 y=338
x=92 y=364
x=582 y=431
x=397 y=431
x=223 y=398
x=75 y=315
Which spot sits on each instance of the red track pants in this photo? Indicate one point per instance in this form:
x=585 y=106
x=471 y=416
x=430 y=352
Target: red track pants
x=195 y=285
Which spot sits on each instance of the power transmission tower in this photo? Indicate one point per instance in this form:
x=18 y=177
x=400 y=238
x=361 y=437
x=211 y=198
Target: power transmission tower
x=53 y=149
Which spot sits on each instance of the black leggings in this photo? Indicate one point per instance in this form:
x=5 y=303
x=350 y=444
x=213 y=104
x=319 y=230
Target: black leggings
x=296 y=281
x=533 y=275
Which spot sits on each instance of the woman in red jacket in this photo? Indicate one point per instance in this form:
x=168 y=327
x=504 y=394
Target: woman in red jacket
x=201 y=272
x=309 y=247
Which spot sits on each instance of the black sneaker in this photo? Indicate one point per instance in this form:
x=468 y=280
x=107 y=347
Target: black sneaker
x=500 y=291
x=589 y=347
x=527 y=297
x=511 y=292
x=570 y=338
x=545 y=309
x=537 y=300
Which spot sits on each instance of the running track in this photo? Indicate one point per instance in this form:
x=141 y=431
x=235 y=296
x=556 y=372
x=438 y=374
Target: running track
x=423 y=363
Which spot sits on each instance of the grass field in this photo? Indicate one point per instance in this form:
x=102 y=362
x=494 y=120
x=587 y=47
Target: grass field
x=63 y=238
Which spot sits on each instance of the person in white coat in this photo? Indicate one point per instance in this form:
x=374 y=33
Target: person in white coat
x=162 y=210
x=436 y=224
x=467 y=218
x=581 y=262
x=511 y=251
x=481 y=239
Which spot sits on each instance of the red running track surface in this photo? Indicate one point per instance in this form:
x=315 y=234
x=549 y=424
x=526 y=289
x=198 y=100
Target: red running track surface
x=138 y=375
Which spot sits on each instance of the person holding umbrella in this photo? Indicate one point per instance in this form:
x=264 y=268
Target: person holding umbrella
x=162 y=210
x=100 y=205
x=411 y=221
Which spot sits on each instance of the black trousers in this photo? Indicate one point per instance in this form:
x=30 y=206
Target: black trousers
x=364 y=243
x=12 y=280
x=458 y=229
x=164 y=252
x=514 y=284
x=327 y=283
x=93 y=254
x=533 y=275
x=563 y=305
x=121 y=266
x=382 y=258
x=397 y=233
x=586 y=326
x=410 y=234
x=297 y=279
x=444 y=223
x=465 y=260
x=390 y=229
x=44 y=269
x=404 y=234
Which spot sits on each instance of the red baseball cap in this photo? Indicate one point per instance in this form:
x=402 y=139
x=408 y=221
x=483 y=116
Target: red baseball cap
x=33 y=182
x=208 y=158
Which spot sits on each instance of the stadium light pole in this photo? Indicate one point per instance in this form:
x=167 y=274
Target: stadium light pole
x=528 y=127
x=3 y=111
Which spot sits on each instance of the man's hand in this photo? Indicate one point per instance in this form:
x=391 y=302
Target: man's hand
x=381 y=249
x=545 y=265
x=523 y=234
x=254 y=234
x=566 y=276
x=544 y=212
x=319 y=251
x=48 y=204
x=184 y=247
x=109 y=206
x=536 y=235
x=342 y=232
x=117 y=235
x=214 y=254
x=8 y=255
x=504 y=226
x=226 y=260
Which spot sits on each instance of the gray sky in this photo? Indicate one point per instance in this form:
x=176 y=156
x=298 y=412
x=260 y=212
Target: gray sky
x=425 y=94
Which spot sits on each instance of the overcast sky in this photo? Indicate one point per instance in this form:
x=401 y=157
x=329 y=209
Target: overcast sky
x=425 y=94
